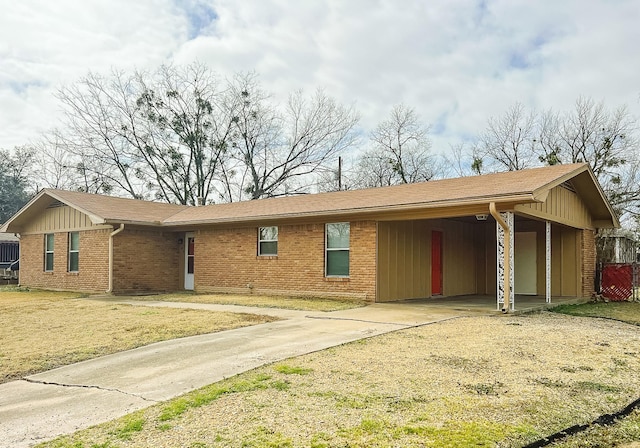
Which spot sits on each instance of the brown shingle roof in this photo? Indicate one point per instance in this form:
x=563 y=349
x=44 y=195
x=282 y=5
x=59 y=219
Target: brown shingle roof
x=500 y=186
x=510 y=187
x=111 y=208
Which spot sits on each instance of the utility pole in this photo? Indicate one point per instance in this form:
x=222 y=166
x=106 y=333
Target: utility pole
x=339 y=173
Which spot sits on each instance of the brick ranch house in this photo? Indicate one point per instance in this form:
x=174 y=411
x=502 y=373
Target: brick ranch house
x=522 y=232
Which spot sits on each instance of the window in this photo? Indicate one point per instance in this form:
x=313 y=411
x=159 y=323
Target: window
x=337 y=249
x=48 y=252
x=268 y=241
x=74 y=251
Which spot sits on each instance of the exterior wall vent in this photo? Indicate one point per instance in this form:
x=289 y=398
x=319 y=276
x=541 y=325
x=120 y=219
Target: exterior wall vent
x=568 y=185
x=56 y=204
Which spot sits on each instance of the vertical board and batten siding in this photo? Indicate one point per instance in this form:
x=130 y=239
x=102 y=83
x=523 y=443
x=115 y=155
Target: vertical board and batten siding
x=566 y=260
x=404 y=258
x=562 y=206
x=61 y=219
x=459 y=268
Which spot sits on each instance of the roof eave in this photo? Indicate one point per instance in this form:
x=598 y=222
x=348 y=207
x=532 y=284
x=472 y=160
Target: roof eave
x=6 y=227
x=130 y=222
x=95 y=219
x=519 y=197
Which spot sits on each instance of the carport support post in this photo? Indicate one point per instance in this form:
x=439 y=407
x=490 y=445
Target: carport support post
x=548 y=262
x=504 y=259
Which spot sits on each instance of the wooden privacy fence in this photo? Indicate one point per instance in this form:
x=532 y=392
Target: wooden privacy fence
x=619 y=281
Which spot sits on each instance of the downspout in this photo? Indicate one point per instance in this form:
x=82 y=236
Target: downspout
x=17 y=235
x=111 y=235
x=507 y=255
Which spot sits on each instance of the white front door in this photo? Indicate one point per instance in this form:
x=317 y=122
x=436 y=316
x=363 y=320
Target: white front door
x=189 y=259
x=525 y=263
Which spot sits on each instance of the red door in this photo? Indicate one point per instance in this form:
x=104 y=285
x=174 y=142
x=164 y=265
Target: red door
x=436 y=263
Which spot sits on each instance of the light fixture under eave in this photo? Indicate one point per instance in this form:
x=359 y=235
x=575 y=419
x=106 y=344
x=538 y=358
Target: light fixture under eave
x=482 y=217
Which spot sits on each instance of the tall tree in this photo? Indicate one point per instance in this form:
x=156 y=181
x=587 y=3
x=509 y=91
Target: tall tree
x=507 y=142
x=161 y=133
x=13 y=180
x=606 y=139
x=275 y=149
x=399 y=152
x=179 y=134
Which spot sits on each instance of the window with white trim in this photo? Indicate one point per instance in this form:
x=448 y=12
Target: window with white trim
x=337 y=249
x=74 y=252
x=268 y=240
x=48 y=252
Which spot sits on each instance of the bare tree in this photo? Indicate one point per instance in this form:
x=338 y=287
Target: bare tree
x=275 y=149
x=605 y=139
x=464 y=159
x=53 y=165
x=94 y=109
x=400 y=152
x=185 y=131
x=507 y=142
x=161 y=133
x=337 y=177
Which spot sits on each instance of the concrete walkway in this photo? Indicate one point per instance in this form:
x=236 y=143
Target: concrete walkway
x=63 y=400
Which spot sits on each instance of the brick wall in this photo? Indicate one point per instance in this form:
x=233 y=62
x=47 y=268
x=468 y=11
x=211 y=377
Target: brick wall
x=93 y=262
x=145 y=260
x=588 y=262
x=226 y=260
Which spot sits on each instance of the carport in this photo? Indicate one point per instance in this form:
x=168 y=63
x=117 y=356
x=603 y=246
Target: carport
x=534 y=246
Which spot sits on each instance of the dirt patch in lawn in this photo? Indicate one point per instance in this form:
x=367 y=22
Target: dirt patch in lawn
x=42 y=330
x=288 y=303
x=477 y=381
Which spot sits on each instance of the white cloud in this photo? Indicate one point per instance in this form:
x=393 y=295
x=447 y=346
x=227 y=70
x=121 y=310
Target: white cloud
x=457 y=62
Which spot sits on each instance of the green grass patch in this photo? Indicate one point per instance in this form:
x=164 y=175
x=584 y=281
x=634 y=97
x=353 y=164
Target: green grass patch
x=206 y=395
x=623 y=311
x=132 y=425
x=291 y=370
x=596 y=387
x=64 y=442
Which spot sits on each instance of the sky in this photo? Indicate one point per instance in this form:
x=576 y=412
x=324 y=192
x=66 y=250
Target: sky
x=456 y=62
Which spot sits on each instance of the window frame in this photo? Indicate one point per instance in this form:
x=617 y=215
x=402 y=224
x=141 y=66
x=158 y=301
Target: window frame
x=328 y=249
x=261 y=240
x=71 y=251
x=48 y=252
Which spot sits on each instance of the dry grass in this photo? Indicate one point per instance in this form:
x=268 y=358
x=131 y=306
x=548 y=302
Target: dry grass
x=481 y=381
x=42 y=330
x=288 y=303
x=623 y=311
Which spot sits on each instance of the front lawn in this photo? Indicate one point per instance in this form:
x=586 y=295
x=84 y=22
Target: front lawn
x=480 y=381
x=623 y=311
x=41 y=330
x=288 y=303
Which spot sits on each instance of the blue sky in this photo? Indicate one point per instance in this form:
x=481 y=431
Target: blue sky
x=457 y=62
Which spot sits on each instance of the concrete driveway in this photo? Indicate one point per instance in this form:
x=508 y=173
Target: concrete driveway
x=60 y=401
